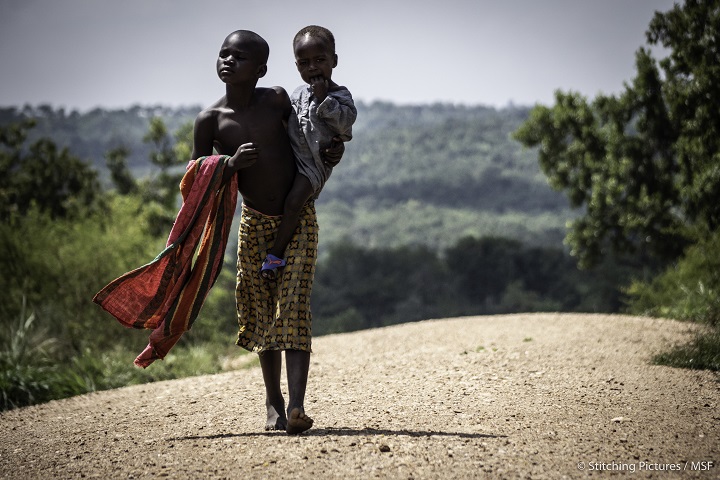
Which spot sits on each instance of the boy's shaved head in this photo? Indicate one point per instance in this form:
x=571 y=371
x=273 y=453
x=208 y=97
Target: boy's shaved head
x=259 y=46
x=317 y=32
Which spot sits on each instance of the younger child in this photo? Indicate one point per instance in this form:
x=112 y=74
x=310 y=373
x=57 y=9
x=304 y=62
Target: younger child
x=324 y=113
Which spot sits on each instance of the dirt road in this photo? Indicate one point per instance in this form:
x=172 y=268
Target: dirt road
x=518 y=396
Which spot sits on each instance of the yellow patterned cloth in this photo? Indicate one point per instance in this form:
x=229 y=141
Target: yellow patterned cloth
x=275 y=314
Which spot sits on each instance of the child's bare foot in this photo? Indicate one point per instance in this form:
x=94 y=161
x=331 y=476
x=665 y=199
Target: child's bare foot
x=298 y=422
x=275 y=420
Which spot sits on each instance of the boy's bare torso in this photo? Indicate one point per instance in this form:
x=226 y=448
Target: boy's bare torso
x=262 y=121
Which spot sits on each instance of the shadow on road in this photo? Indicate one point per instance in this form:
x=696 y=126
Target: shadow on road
x=343 y=432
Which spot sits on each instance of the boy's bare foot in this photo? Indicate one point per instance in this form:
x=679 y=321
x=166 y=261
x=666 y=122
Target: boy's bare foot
x=275 y=420
x=298 y=422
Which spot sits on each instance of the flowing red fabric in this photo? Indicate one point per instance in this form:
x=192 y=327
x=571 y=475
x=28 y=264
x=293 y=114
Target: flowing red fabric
x=166 y=295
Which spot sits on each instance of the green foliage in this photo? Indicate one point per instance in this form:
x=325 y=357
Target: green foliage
x=484 y=268
x=56 y=342
x=217 y=322
x=445 y=156
x=703 y=353
x=183 y=146
x=428 y=175
x=415 y=184
x=120 y=174
x=437 y=227
x=687 y=290
x=643 y=164
x=382 y=287
x=52 y=180
x=357 y=288
x=412 y=175
x=690 y=32
x=59 y=265
x=160 y=190
x=91 y=134
x=24 y=362
x=163 y=155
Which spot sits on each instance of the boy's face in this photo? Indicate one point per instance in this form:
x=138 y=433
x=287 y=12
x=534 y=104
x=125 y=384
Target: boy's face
x=237 y=61
x=314 y=58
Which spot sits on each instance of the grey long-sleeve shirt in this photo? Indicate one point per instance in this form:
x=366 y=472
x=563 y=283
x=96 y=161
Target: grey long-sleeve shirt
x=313 y=125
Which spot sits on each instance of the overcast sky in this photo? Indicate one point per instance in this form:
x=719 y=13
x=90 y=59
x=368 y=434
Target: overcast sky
x=80 y=54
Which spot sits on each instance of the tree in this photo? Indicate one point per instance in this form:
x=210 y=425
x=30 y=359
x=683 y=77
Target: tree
x=645 y=164
x=484 y=267
x=44 y=176
x=164 y=187
x=120 y=174
x=160 y=192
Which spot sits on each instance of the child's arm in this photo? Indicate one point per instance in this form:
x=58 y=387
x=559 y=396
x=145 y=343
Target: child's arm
x=204 y=140
x=339 y=113
x=203 y=135
x=246 y=155
x=333 y=153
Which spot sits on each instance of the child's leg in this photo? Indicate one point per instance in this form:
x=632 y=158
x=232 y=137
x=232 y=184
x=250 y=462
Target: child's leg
x=271 y=365
x=294 y=203
x=297 y=365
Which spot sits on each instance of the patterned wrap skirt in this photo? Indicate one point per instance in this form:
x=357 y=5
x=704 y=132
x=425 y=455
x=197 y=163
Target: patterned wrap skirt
x=275 y=314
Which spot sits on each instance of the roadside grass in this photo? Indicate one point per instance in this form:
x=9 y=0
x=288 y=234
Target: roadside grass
x=702 y=353
x=688 y=290
x=41 y=378
x=35 y=369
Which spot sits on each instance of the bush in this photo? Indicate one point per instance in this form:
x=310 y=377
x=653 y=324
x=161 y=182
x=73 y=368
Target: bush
x=688 y=290
x=703 y=353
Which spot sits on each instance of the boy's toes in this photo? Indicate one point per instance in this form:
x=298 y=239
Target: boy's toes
x=298 y=422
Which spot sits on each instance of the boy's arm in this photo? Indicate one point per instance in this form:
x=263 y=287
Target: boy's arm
x=247 y=153
x=203 y=135
x=334 y=152
x=204 y=141
x=339 y=113
x=283 y=103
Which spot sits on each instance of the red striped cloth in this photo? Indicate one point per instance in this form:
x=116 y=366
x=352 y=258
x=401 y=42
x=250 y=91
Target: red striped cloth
x=166 y=294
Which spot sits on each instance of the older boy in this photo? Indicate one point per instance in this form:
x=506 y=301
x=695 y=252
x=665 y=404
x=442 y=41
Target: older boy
x=250 y=124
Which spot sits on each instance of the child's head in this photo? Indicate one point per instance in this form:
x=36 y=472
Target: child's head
x=315 y=55
x=243 y=55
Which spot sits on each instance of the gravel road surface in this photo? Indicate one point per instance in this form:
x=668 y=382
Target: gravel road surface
x=537 y=396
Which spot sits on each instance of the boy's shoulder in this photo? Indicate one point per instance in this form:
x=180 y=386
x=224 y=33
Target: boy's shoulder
x=342 y=95
x=212 y=110
x=339 y=88
x=208 y=115
x=271 y=95
x=300 y=89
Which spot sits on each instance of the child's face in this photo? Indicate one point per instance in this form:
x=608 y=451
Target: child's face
x=314 y=58
x=237 y=61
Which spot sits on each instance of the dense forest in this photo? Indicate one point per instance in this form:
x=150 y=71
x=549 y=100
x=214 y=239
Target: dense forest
x=412 y=175
x=434 y=211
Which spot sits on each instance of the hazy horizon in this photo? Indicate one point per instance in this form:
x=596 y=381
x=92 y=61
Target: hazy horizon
x=82 y=54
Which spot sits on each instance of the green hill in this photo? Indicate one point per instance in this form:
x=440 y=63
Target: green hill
x=412 y=175
x=432 y=174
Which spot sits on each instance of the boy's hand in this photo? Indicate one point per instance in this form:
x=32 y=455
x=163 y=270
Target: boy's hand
x=246 y=155
x=319 y=87
x=334 y=152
